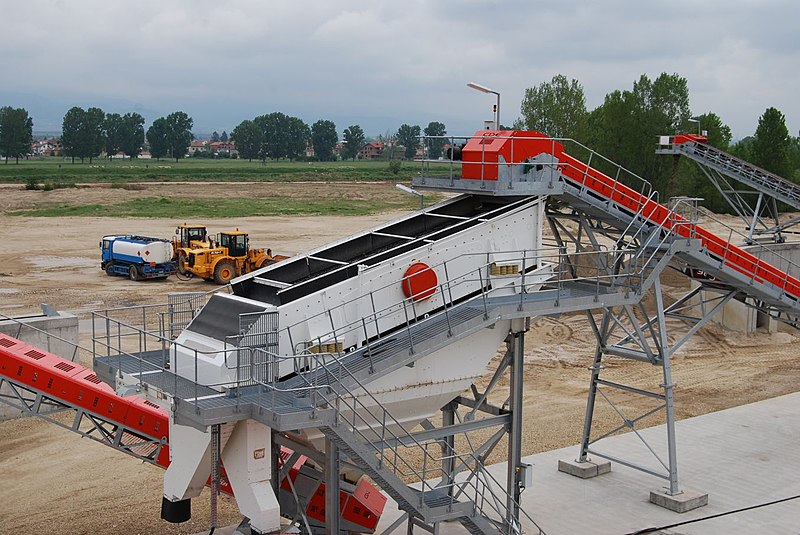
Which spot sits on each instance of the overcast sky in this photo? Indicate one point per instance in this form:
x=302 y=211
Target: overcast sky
x=380 y=64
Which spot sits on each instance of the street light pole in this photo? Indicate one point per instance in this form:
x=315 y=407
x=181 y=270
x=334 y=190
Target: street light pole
x=483 y=89
x=696 y=120
x=412 y=191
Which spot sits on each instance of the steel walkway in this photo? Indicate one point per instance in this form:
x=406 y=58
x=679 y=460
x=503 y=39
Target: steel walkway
x=746 y=173
x=290 y=404
x=724 y=262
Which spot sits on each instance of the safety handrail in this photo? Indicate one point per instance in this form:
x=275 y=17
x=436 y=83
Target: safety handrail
x=733 y=163
x=48 y=335
x=757 y=270
x=401 y=466
x=126 y=339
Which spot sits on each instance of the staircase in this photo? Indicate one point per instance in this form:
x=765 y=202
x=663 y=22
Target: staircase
x=740 y=170
x=409 y=473
x=637 y=212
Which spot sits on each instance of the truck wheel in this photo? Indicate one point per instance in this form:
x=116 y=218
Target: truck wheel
x=224 y=272
x=133 y=273
x=183 y=264
x=110 y=269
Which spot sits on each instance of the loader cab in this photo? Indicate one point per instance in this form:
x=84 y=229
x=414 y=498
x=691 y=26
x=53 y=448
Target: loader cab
x=187 y=234
x=237 y=243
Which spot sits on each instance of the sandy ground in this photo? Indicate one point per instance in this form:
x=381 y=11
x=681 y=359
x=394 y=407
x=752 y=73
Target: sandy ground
x=56 y=482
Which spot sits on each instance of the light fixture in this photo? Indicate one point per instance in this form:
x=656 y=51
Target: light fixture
x=412 y=191
x=484 y=89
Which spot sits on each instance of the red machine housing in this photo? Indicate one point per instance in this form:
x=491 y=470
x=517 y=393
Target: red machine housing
x=481 y=155
x=680 y=139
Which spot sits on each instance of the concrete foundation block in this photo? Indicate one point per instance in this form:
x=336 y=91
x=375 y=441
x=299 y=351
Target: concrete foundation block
x=584 y=470
x=687 y=500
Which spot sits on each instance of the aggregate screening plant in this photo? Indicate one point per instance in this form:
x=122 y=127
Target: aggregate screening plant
x=343 y=350
x=337 y=299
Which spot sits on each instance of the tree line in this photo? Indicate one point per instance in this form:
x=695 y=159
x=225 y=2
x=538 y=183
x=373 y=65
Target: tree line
x=277 y=136
x=88 y=133
x=626 y=127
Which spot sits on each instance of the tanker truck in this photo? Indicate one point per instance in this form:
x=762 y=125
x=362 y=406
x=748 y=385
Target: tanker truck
x=137 y=257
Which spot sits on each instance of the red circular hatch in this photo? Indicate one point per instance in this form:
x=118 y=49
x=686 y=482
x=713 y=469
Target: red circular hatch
x=419 y=282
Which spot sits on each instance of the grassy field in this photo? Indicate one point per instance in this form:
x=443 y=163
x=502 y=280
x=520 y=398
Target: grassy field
x=181 y=207
x=204 y=188
x=63 y=172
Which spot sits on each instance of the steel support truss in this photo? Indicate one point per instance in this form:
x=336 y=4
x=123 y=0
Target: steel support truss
x=645 y=332
x=761 y=218
x=83 y=422
x=472 y=427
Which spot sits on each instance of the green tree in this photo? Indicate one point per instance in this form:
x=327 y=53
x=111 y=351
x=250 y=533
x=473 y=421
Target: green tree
x=132 y=134
x=113 y=132
x=298 y=135
x=224 y=137
x=771 y=143
x=324 y=139
x=93 y=133
x=215 y=136
x=283 y=136
x=248 y=138
x=556 y=108
x=179 y=134
x=436 y=142
x=794 y=159
x=71 y=132
x=408 y=136
x=82 y=133
x=718 y=133
x=273 y=135
x=353 y=139
x=627 y=124
x=16 y=133
x=158 y=138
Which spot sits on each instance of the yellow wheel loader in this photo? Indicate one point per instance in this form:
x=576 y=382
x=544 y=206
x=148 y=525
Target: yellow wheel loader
x=229 y=257
x=188 y=237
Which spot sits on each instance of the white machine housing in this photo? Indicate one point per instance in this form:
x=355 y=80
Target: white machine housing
x=206 y=350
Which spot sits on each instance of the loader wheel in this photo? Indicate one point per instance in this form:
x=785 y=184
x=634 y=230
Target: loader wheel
x=183 y=262
x=133 y=273
x=110 y=269
x=266 y=262
x=224 y=272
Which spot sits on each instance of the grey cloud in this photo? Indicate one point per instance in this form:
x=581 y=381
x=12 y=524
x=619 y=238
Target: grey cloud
x=383 y=63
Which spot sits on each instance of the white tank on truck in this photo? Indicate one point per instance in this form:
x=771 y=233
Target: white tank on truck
x=158 y=251
x=138 y=257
